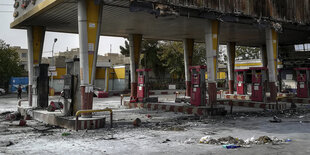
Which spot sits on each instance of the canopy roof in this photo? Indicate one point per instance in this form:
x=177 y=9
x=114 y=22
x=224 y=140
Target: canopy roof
x=173 y=21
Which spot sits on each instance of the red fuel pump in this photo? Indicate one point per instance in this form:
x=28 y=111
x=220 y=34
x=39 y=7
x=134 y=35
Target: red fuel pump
x=258 y=83
x=303 y=79
x=198 y=85
x=241 y=81
x=142 y=88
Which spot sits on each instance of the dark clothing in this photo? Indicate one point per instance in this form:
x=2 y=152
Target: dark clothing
x=27 y=89
x=19 y=92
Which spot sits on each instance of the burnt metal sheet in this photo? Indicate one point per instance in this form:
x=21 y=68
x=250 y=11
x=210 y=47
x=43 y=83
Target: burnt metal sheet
x=296 y=11
x=158 y=20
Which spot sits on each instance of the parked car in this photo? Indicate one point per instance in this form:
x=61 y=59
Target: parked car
x=2 y=91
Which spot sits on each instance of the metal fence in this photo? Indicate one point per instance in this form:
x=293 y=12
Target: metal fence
x=163 y=84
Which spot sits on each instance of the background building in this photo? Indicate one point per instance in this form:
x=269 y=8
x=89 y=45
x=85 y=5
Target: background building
x=23 y=55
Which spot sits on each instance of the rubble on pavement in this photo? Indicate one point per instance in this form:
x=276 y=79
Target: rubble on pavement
x=240 y=142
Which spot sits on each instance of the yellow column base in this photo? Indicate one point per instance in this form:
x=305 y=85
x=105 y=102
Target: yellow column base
x=52 y=92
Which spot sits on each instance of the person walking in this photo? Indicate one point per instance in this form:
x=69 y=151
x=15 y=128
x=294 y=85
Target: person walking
x=27 y=89
x=19 y=92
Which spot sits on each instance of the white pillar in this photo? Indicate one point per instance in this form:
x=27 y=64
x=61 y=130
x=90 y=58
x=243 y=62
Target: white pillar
x=272 y=56
x=211 y=39
x=212 y=44
x=135 y=44
x=30 y=64
x=86 y=89
x=83 y=41
x=186 y=59
x=106 y=89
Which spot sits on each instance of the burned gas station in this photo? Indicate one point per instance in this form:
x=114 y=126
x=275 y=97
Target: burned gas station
x=271 y=25
x=274 y=26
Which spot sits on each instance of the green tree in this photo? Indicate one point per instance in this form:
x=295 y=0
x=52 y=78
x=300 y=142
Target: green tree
x=199 y=55
x=173 y=58
x=222 y=54
x=150 y=56
x=151 y=51
x=162 y=56
x=125 y=50
x=9 y=67
x=247 y=53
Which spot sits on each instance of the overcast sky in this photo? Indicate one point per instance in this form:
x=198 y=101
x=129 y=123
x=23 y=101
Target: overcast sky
x=16 y=37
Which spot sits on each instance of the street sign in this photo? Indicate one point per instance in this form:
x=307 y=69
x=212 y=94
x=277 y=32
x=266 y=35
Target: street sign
x=52 y=68
x=172 y=86
x=52 y=73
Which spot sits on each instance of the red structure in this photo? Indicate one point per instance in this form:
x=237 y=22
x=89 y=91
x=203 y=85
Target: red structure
x=258 y=83
x=142 y=88
x=303 y=79
x=103 y=94
x=241 y=81
x=198 y=85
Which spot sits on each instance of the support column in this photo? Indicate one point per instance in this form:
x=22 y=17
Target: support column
x=106 y=89
x=264 y=56
x=212 y=44
x=231 y=53
x=135 y=44
x=97 y=34
x=35 y=35
x=272 y=56
x=188 y=45
x=89 y=23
